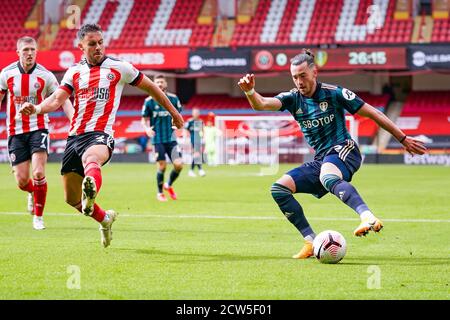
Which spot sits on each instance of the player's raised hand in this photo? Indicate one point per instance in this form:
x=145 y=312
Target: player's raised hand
x=414 y=146
x=178 y=121
x=247 y=82
x=27 y=109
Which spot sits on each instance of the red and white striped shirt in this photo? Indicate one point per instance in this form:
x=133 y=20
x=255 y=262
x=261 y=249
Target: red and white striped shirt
x=20 y=86
x=97 y=91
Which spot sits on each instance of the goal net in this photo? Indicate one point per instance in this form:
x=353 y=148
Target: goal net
x=265 y=140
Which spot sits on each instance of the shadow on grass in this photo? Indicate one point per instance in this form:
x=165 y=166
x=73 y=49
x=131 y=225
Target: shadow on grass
x=212 y=232
x=404 y=261
x=352 y=261
x=196 y=257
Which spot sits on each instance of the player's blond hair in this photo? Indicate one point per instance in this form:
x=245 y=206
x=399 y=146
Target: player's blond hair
x=25 y=39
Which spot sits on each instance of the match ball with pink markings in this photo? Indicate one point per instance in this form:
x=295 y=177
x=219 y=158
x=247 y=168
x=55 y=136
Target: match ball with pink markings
x=329 y=246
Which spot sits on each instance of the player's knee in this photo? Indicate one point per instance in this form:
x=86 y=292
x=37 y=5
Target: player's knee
x=161 y=167
x=329 y=180
x=22 y=181
x=280 y=193
x=89 y=160
x=22 y=177
x=38 y=174
x=178 y=166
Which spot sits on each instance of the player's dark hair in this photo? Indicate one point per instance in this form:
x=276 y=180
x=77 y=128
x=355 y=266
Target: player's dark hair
x=306 y=55
x=160 y=76
x=89 y=27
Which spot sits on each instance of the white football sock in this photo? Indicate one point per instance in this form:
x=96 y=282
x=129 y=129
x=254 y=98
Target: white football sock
x=367 y=215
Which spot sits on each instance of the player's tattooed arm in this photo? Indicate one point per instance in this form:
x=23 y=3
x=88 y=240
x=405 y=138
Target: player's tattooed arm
x=413 y=146
x=148 y=86
x=257 y=101
x=51 y=103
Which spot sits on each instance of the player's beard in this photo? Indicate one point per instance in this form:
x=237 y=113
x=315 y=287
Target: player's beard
x=97 y=57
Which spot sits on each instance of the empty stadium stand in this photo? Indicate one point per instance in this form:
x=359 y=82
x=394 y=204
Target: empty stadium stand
x=441 y=30
x=426 y=113
x=216 y=102
x=12 y=24
x=367 y=128
x=140 y=24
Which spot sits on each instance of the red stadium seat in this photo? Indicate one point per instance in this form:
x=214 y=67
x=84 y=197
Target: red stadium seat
x=323 y=27
x=14 y=15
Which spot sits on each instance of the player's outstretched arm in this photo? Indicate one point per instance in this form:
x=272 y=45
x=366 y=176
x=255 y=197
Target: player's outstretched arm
x=413 y=146
x=51 y=103
x=148 y=86
x=257 y=101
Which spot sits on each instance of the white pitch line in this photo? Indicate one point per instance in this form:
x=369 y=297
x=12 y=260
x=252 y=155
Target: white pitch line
x=164 y=216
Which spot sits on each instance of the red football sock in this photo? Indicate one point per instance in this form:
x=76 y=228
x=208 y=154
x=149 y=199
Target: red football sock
x=93 y=169
x=40 y=195
x=98 y=214
x=29 y=187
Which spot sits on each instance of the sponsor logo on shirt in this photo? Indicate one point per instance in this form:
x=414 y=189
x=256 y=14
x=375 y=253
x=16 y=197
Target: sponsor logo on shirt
x=161 y=114
x=348 y=95
x=94 y=94
x=319 y=122
x=22 y=99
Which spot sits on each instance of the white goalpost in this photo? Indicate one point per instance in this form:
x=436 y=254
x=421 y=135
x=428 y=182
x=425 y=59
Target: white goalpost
x=265 y=139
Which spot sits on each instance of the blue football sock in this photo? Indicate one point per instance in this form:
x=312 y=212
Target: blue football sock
x=292 y=209
x=173 y=176
x=160 y=180
x=344 y=191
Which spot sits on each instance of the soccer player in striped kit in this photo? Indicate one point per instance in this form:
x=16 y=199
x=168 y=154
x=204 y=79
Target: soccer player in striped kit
x=158 y=125
x=26 y=81
x=96 y=83
x=319 y=109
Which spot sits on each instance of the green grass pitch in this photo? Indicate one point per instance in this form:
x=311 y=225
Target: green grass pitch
x=226 y=239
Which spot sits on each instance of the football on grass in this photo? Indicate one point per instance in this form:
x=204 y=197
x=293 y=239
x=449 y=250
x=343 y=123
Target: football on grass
x=329 y=246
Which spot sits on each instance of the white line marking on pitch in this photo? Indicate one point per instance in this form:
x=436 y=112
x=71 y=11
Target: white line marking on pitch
x=164 y=216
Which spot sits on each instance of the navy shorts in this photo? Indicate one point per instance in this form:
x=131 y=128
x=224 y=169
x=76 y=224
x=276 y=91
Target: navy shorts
x=22 y=146
x=170 y=148
x=346 y=156
x=77 y=145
